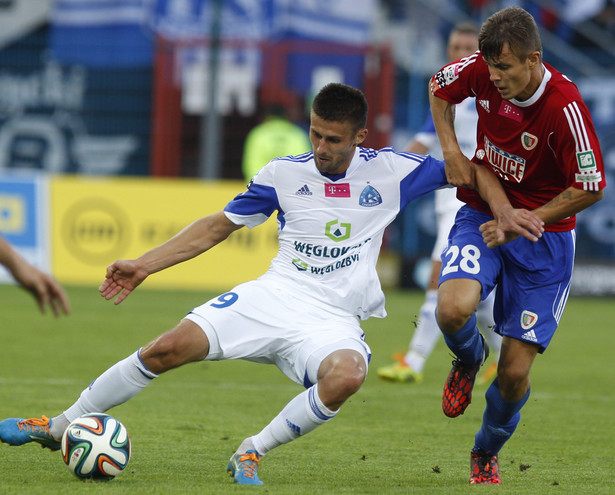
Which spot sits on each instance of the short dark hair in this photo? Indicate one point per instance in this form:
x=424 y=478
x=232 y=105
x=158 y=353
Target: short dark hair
x=465 y=28
x=514 y=26
x=337 y=102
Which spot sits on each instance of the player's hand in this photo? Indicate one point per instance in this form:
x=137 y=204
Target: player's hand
x=460 y=172
x=43 y=287
x=511 y=224
x=123 y=276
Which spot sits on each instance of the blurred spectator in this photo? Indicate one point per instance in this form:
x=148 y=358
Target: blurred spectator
x=276 y=136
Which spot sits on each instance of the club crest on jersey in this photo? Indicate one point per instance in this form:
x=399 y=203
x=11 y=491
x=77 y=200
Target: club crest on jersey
x=337 y=190
x=528 y=319
x=529 y=141
x=370 y=197
x=337 y=231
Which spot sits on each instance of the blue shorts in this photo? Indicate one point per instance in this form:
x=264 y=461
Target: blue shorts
x=532 y=279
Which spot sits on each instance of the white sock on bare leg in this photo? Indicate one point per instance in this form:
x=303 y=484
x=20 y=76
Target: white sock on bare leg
x=301 y=415
x=115 y=386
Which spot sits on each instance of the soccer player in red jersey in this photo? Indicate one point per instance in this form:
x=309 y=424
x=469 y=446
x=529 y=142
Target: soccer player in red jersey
x=535 y=135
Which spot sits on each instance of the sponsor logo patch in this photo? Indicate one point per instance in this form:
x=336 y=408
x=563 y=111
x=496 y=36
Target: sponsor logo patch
x=586 y=160
x=300 y=265
x=507 y=165
x=510 y=111
x=337 y=231
x=337 y=190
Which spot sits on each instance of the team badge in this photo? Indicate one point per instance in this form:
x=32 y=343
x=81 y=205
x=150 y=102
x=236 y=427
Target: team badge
x=370 y=197
x=528 y=319
x=529 y=141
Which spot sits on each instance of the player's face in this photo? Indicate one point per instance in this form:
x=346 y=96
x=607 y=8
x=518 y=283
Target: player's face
x=461 y=45
x=513 y=78
x=333 y=143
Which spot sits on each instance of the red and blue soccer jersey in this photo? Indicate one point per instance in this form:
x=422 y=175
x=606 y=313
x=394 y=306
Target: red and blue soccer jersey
x=538 y=147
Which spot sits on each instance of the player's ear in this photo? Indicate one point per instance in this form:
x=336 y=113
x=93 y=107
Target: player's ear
x=534 y=59
x=360 y=137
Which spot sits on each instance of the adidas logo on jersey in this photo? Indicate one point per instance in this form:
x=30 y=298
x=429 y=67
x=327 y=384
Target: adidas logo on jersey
x=530 y=336
x=304 y=191
x=484 y=104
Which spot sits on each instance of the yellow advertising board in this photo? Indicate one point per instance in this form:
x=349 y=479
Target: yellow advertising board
x=95 y=221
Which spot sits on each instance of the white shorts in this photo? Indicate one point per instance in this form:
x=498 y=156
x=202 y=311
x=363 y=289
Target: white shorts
x=265 y=322
x=447 y=206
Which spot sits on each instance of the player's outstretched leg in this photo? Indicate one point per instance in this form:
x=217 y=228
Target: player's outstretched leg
x=19 y=431
x=244 y=468
x=457 y=393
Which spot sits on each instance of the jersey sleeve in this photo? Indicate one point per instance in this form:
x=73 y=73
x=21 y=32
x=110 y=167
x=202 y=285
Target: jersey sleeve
x=454 y=81
x=255 y=205
x=427 y=176
x=580 y=149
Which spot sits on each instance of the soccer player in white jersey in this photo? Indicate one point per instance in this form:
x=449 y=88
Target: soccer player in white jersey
x=535 y=134
x=408 y=368
x=303 y=315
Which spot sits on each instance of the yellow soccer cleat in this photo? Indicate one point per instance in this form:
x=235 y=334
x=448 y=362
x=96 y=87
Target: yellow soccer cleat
x=399 y=371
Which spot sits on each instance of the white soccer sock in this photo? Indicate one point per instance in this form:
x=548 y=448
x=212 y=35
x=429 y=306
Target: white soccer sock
x=426 y=334
x=484 y=316
x=300 y=416
x=115 y=386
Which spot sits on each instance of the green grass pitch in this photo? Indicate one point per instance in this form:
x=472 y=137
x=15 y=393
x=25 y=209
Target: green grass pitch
x=388 y=438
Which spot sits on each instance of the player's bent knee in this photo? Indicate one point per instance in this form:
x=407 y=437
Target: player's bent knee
x=341 y=375
x=451 y=317
x=184 y=344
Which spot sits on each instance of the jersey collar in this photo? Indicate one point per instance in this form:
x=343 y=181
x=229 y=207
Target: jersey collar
x=539 y=92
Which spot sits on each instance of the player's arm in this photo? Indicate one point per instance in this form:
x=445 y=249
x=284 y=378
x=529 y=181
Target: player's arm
x=567 y=203
x=459 y=170
x=123 y=276
x=509 y=222
x=417 y=147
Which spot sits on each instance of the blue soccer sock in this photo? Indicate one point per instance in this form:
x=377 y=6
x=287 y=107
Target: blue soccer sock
x=466 y=343
x=500 y=420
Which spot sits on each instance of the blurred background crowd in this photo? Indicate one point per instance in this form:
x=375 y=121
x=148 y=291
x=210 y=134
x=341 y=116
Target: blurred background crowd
x=172 y=88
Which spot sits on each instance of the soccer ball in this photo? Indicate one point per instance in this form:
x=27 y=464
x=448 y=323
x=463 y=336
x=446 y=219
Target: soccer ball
x=96 y=446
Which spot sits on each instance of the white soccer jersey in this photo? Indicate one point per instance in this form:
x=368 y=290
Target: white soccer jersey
x=330 y=228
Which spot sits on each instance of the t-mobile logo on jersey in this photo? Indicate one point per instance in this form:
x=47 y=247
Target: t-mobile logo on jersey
x=337 y=190
x=510 y=111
